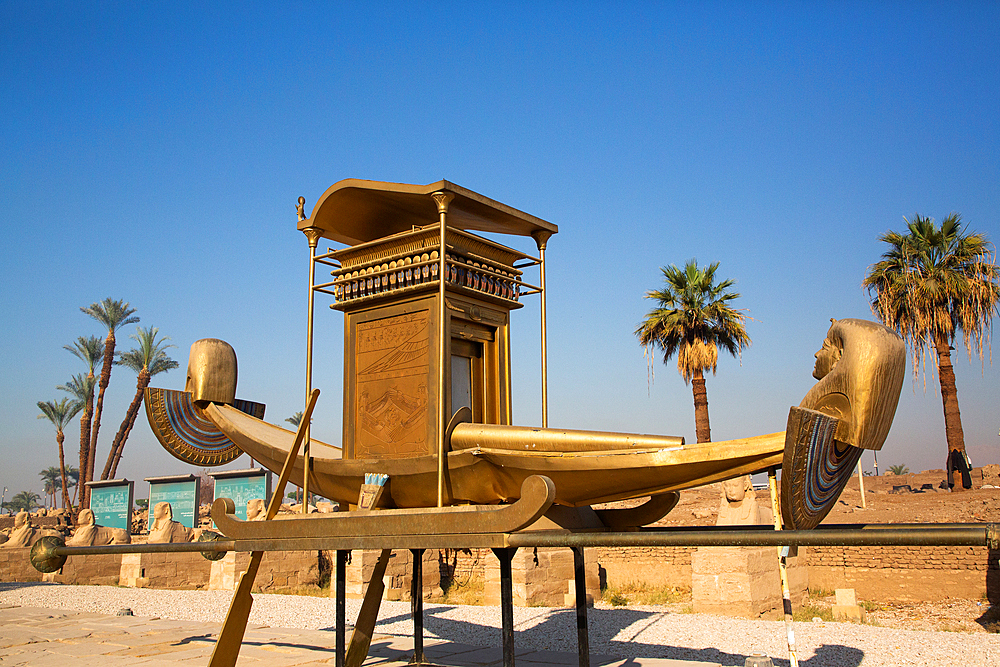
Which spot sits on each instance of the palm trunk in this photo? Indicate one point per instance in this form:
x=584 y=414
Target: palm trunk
x=88 y=412
x=118 y=446
x=60 y=437
x=949 y=396
x=701 y=425
x=109 y=357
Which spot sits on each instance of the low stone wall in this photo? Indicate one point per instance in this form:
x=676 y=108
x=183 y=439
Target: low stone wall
x=7 y=521
x=179 y=571
x=876 y=573
x=279 y=570
x=96 y=570
x=15 y=566
x=655 y=566
x=907 y=573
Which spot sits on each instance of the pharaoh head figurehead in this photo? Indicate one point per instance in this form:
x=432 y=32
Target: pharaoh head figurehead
x=86 y=518
x=211 y=374
x=860 y=370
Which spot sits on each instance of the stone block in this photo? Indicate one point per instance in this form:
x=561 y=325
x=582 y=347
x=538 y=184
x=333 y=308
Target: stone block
x=852 y=613
x=742 y=582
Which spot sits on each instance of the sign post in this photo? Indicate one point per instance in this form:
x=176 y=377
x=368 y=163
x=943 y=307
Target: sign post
x=111 y=503
x=242 y=486
x=181 y=491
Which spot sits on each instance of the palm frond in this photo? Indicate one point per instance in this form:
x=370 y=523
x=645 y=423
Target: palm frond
x=693 y=319
x=89 y=349
x=112 y=313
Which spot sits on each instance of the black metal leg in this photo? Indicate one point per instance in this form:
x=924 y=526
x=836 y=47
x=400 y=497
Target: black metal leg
x=507 y=603
x=341 y=607
x=582 y=634
x=417 y=605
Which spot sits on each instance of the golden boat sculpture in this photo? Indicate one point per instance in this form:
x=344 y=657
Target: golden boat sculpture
x=420 y=349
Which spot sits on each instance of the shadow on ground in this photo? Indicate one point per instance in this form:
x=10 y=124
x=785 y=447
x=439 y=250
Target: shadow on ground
x=605 y=626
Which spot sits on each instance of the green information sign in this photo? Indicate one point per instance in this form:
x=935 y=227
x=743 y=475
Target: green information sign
x=242 y=486
x=182 y=494
x=111 y=502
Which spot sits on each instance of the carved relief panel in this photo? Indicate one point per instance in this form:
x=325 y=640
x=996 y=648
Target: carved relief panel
x=392 y=368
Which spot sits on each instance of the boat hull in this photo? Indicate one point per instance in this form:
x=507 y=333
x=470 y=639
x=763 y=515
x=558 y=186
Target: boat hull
x=488 y=476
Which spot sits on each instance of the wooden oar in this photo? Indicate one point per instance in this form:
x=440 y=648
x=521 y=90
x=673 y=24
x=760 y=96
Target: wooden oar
x=227 y=648
x=364 y=629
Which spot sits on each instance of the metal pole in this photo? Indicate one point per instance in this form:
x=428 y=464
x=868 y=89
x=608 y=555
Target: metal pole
x=442 y=199
x=580 y=583
x=786 y=597
x=341 y=612
x=541 y=239
x=417 y=605
x=861 y=485
x=506 y=604
x=313 y=234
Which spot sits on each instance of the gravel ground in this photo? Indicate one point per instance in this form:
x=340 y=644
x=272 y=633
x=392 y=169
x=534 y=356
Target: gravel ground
x=620 y=632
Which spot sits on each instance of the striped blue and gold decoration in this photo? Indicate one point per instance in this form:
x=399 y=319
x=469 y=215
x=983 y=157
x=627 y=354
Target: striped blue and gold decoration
x=184 y=432
x=815 y=469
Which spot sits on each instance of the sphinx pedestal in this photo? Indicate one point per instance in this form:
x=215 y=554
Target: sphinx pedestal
x=744 y=582
x=398 y=575
x=542 y=577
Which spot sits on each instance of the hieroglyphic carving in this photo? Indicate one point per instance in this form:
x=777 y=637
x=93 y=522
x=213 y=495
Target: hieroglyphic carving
x=391 y=358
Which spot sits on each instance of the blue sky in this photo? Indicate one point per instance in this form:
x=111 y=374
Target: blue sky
x=155 y=154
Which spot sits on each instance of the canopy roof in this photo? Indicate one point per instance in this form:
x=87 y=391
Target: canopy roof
x=356 y=211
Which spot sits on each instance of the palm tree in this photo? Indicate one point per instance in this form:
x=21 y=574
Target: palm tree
x=932 y=283
x=59 y=413
x=147 y=360
x=51 y=483
x=693 y=320
x=81 y=387
x=23 y=500
x=899 y=469
x=74 y=480
x=113 y=314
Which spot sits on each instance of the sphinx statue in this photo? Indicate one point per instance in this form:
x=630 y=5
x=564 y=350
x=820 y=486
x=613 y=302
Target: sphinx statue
x=165 y=529
x=256 y=509
x=89 y=534
x=24 y=534
x=738 y=505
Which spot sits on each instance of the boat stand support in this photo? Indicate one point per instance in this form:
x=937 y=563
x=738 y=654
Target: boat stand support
x=506 y=555
x=341 y=613
x=417 y=606
x=580 y=585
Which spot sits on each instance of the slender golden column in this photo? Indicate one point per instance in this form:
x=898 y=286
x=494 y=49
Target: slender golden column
x=541 y=239
x=442 y=199
x=313 y=235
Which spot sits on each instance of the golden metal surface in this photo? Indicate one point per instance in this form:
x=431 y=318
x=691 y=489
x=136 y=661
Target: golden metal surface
x=529 y=439
x=442 y=199
x=860 y=369
x=651 y=511
x=541 y=239
x=355 y=211
x=364 y=627
x=211 y=372
x=227 y=648
x=487 y=475
x=313 y=235
x=786 y=597
x=537 y=495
